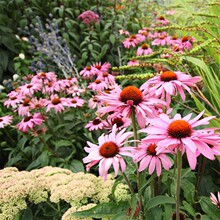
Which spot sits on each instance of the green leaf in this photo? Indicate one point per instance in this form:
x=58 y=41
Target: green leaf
x=3 y=59
x=112 y=38
x=75 y=166
x=210 y=209
x=188 y=189
x=159 y=200
x=104 y=210
x=63 y=143
x=189 y=208
x=27 y=215
x=167 y=211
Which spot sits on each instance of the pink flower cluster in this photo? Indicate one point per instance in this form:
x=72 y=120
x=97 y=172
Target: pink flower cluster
x=147 y=41
x=43 y=93
x=164 y=134
x=89 y=17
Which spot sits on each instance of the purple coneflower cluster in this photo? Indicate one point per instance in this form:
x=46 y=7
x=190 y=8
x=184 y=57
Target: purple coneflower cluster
x=148 y=41
x=43 y=93
x=164 y=134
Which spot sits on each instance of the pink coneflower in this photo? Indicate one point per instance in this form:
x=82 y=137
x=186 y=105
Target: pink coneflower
x=88 y=72
x=162 y=20
x=178 y=132
x=142 y=35
x=108 y=152
x=106 y=77
x=160 y=41
x=98 y=85
x=215 y=200
x=101 y=68
x=96 y=124
x=173 y=40
x=75 y=90
x=122 y=101
x=36 y=103
x=124 y=32
x=169 y=83
x=5 y=120
x=144 y=50
x=43 y=77
x=94 y=102
x=24 y=107
x=15 y=98
x=131 y=41
x=55 y=103
x=119 y=120
x=133 y=62
x=187 y=42
x=38 y=131
x=147 y=155
x=30 y=89
x=73 y=102
x=30 y=122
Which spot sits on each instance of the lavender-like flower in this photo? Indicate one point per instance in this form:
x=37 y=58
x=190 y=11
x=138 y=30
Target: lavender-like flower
x=52 y=45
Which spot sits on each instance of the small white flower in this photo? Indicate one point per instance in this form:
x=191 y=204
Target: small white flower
x=17 y=37
x=2 y=87
x=25 y=39
x=15 y=77
x=22 y=56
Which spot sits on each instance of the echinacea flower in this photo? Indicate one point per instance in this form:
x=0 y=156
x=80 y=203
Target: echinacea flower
x=144 y=50
x=30 y=122
x=5 y=120
x=133 y=62
x=162 y=20
x=108 y=152
x=98 y=85
x=179 y=133
x=119 y=120
x=55 y=103
x=215 y=200
x=147 y=155
x=123 y=101
x=73 y=102
x=169 y=83
x=96 y=124
x=161 y=40
x=88 y=72
x=130 y=41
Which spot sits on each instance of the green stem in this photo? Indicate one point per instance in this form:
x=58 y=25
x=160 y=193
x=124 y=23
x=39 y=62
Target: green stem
x=129 y=184
x=137 y=164
x=47 y=146
x=9 y=136
x=133 y=120
x=178 y=182
x=201 y=169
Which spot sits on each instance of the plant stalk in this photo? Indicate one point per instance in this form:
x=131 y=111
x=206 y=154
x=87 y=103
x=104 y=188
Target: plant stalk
x=138 y=173
x=179 y=168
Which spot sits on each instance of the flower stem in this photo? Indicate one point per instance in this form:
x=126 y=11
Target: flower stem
x=133 y=120
x=179 y=168
x=129 y=184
